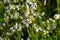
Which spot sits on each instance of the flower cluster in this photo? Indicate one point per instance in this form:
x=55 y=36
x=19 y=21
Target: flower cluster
x=28 y=20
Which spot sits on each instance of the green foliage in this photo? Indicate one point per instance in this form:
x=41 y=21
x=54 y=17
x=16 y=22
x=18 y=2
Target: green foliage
x=1 y=11
x=30 y=20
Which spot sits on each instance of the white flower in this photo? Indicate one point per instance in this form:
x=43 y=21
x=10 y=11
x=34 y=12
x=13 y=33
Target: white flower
x=16 y=15
x=22 y=39
x=5 y=15
x=57 y=16
x=4 y=24
x=43 y=22
x=39 y=16
x=27 y=6
x=43 y=13
x=27 y=24
x=34 y=25
x=48 y=28
x=34 y=14
x=27 y=0
x=16 y=25
x=8 y=10
x=45 y=32
x=1 y=38
x=8 y=33
x=52 y=20
x=28 y=38
x=29 y=20
x=4 y=1
x=26 y=13
x=44 y=2
x=53 y=27
x=6 y=19
x=47 y=21
x=33 y=6
x=12 y=29
x=20 y=27
x=11 y=7
x=21 y=17
x=37 y=30
x=40 y=28
x=17 y=7
x=23 y=21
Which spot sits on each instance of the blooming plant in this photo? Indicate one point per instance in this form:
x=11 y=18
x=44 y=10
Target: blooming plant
x=29 y=19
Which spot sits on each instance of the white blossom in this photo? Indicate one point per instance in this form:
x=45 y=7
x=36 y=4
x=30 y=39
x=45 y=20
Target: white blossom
x=44 y=2
x=26 y=14
x=47 y=21
x=1 y=38
x=43 y=22
x=16 y=25
x=21 y=17
x=57 y=16
x=8 y=33
x=20 y=27
x=6 y=19
x=50 y=19
x=11 y=7
x=27 y=0
x=40 y=28
x=23 y=21
x=33 y=6
x=21 y=38
x=53 y=27
x=29 y=21
x=27 y=24
x=5 y=15
x=12 y=29
x=37 y=30
x=48 y=28
x=34 y=25
x=4 y=1
x=28 y=38
x=45 y=31
x=34 y=14
x=17 y=7
x=43 y=13
x=39 y=16
x=16 y=15
x=27 y=6
x=3 y=24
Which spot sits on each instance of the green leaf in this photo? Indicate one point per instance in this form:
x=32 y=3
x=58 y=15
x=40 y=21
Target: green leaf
x=1 y=11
